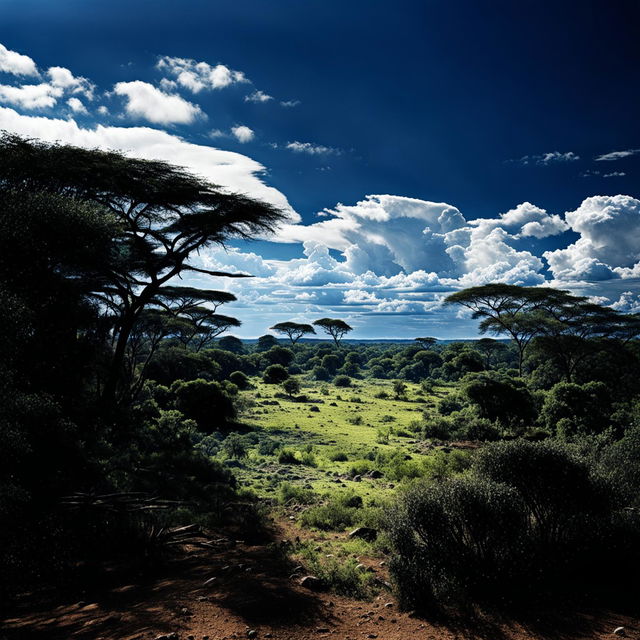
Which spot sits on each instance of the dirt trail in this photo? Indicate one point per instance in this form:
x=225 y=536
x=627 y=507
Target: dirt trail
x=253 y=594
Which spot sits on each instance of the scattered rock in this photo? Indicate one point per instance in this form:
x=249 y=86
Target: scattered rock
x=366 y=533
x=209 y=582
x=357 y=479
x=252 y=633
x=168 y=636
x=619 y=631
x=322 y=630
x=388 y=605
x=314 y=409
x=375 y=474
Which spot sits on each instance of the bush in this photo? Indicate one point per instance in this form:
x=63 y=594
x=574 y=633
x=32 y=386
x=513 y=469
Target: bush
x=291 y=386
x=205 y=402
x=454 y=538
x=337 y=456
x=449 y=404
x=338 y=513
x=528 y=518
x=235 y=446
x=268 y=446
x=294 y=494
x=572 y=410
x=239 y=379
x=275 y=374
x=321 y=373
x=287 y=456
x=342 y=381
x=340 y=575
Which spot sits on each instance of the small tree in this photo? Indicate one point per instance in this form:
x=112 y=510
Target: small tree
x=334 y=327
x=291 y=386
x=266 y=341
x=205 y=402
x=293 y=330
x=231 y=343
x=426 y=343
x=275 y=374
x=235 y=446
x=399 y=389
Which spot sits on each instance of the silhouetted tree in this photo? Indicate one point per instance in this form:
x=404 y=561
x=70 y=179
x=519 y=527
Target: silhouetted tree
x=164 y=216
x=293 y=330
x=427 y=342
x=333 y=327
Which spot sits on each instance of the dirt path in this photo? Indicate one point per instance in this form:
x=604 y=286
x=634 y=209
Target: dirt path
x=253 y=594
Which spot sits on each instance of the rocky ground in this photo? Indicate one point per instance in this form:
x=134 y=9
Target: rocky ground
x=220 y=589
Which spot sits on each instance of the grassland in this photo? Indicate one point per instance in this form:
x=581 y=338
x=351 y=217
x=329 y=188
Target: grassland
x=335 y=437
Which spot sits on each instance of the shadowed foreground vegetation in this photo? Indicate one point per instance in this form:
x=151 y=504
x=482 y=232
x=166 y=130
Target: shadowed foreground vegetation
x=490 y=471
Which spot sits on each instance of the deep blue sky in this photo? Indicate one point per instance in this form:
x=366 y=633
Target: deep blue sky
x=435 y=100
x=428 y=99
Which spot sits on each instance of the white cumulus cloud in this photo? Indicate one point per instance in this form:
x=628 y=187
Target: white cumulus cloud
x=31 y=96
x=146 y=101
x=258 y=96
x=17 y=63
x=311 y=149
x=63 y=78
x=232 y=171
x=617 y=155
x=609 y=243
x=77 y=106
x=243 y=133
x=197 y=76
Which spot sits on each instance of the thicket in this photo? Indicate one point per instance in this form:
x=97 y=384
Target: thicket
x=527 y=519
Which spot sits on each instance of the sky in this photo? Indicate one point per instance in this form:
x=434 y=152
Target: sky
x=417 y=147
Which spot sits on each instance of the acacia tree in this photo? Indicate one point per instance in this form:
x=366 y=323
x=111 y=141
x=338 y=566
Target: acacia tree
x=569 y=327
x=293 y=330
x=508 y=309
x=164 y=216
x=334 y=327
x=427 y=342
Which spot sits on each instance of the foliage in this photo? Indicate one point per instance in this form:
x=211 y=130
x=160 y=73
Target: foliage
x=293 y=330
x=206 y=402
x=570 y=409
x=235 y=446
x=342 y=381
x=499 y=398
x=504 y=531
x=291 y=386
x=275 y=374
x=239 y=379
x=334 y=327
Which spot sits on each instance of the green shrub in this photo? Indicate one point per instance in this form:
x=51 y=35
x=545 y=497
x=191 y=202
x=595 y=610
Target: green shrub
x=455 y=538
x=205 y=402
x=528 y=518
x=337 y=456
x=449 y=404
x=239 y=379
x=339 y=575
x=235 y=446
x=268 y=446
x=275 y=374
x=342 y=381
x=287 y=456
x=289 y=493
x=339 y=512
